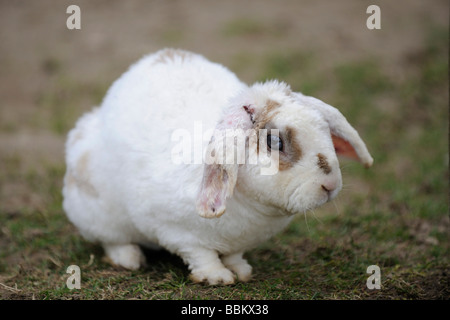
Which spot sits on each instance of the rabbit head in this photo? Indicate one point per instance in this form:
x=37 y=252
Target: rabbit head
x=301 y=135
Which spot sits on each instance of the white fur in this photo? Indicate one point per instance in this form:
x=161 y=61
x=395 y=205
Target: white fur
x=122 y=187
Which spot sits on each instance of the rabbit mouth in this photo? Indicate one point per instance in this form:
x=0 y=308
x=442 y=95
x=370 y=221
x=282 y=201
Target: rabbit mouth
x=298 y=203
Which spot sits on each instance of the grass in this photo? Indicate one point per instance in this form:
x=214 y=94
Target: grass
x=394 y=215
x=252 y=27
x=295 y=67
x=59 y=105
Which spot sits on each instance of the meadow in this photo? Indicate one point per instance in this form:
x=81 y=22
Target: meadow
x=391 y=85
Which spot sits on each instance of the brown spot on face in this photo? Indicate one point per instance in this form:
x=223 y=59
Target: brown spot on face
x=263 y=117
x=272 y=105
x=267 y=114
x=322 y=162
x=169 y=55
x=292 y=151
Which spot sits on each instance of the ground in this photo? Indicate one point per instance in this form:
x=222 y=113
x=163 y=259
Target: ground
x=392 y=85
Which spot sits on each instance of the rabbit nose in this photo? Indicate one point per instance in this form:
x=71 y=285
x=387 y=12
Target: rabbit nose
x=328 y=191
x=329 y=187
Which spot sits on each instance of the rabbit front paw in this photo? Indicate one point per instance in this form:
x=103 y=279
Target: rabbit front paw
x=213 y=276
x=239 y=266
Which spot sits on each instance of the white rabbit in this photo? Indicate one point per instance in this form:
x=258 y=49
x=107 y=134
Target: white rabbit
x=124 y=190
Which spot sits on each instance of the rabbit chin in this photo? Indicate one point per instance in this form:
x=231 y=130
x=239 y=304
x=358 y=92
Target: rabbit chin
x=300 y=201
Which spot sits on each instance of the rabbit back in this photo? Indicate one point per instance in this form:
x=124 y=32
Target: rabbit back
x=122 y=184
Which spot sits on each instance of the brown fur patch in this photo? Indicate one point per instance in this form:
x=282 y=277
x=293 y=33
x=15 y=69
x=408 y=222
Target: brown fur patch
x=292 y=151
x=267 y=114
x=69 y=179
x=80 y=176
x=322 y=162
x=169 y=55
x=76 y=137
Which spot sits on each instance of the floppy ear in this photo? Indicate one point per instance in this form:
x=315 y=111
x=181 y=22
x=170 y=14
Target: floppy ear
x=220 y=171
x=346 y=139
x=344 y=148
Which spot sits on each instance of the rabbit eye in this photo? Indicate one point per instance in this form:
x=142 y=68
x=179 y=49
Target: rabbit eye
x=274 y=142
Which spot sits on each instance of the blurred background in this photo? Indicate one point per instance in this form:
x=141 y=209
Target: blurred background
x=391 y=84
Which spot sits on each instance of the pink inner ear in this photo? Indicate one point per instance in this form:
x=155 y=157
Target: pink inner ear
x=344 y=148
x=213 y=192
